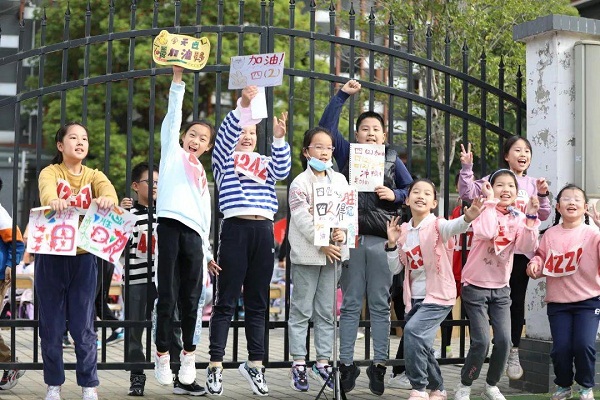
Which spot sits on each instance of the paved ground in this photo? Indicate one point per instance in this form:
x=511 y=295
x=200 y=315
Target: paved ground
x=114 y=384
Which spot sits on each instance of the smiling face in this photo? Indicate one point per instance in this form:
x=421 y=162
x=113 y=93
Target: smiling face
x=505 y=188
x=320 y=147
x=196 y=140
x=421 y=198
x=518 y=157
x=74 y=145
x=571 y=205
x=247 y=140
x=370 y=131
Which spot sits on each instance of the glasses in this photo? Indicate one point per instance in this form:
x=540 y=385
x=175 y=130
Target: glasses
x=318 y=147
x=148 y=181
x=572 y=199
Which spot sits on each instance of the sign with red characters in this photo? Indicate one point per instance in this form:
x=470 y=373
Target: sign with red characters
x=559 y=264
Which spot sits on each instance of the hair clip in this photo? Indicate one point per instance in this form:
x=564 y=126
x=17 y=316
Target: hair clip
x=513 y=211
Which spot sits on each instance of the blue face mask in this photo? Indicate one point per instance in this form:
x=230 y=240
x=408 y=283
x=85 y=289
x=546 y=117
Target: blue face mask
x=319 y=165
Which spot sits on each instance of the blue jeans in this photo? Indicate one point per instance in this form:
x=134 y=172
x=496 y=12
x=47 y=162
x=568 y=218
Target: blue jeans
x=419 y=335
x=574 y=327
x=484 y=306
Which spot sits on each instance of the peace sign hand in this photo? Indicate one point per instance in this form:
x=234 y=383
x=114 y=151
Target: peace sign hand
x=466 y=156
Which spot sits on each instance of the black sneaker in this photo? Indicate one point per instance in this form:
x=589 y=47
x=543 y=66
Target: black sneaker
x=376 y=374
x=348 y=375
x=192 y=389
x=116 y=336
x=137 y=383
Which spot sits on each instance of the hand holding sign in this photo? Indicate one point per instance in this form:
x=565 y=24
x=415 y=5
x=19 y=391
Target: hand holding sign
x=184 y=51
x=257 y=69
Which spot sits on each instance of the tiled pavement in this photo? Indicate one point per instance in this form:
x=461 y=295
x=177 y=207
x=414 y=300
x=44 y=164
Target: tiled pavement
x=114 y=384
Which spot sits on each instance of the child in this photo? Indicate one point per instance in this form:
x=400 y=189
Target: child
x=9 y=378
x=569 y=256
x=183 y=208
x=367 y=272
x=246 y=184
x=312 y=271
x=499 y=231
x=65 y=285
x=517 y=157
x=424 y=246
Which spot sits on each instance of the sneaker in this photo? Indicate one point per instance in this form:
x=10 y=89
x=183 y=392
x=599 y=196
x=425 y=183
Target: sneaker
x=586 y=394
x=513 y=366
x=162 y=369
x=418 y=395
x=192 y=390
x=299 y=380
x=66 y=342
x=52 y=393
x=116 y=336
x=462 y=392
x=492 y=393
x=376 y=374
x=360 y=334
x=348 y=375
x=562 y=393
x=9 y=378
x=399 y=381
x=98 y=344
x=136 y=384
x=438 y=395
x=256 y=378
x=321 y=375
x=187 y=371
x=89 y=393
x=214 y=380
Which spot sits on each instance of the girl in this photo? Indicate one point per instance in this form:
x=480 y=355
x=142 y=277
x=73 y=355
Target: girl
x=497 y=234
x=569 y=256
x=66 y=286
x=517 y=158
x=312 y=271
x=425 y=245
x=247 y=199
x=183 y=209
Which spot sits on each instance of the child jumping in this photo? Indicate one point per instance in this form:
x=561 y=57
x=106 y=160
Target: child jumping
x=569 y=256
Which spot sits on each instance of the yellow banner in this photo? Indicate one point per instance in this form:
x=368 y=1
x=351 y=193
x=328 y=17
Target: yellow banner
x=184 y=51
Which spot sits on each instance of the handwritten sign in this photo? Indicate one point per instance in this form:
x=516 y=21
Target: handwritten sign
x=334 y=207
x=53 y=232
x=366 y=166
x=250 y=164
x=105 y=232
x=257 y=69
x=184 y=51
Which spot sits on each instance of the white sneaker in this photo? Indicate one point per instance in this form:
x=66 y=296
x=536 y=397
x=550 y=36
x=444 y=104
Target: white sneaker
x=492 y=393
x=462 y=392
x=256 y=378
x=162 y=369
x=437 y=354
x=562 y=393
x=52 y=393
x=214 y=380
x=513 y=366
x=399 y=381
x=90 y=393
x=187 y=371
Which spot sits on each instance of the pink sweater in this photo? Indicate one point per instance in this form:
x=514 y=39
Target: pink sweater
x=496 y=236
x=575 y=252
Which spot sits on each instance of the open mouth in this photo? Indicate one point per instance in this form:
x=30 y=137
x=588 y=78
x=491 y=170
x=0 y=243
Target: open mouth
x=193 y=149
x=420 y=203
x=522 y=162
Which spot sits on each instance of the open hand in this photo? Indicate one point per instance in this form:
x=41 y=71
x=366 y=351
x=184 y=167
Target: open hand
x=593 y=214
x=333 y=252
x=474 y=210
x=280 y=125
x=393 y=231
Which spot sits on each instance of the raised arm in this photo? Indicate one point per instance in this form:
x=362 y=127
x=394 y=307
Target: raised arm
x=169 y=131
x=280 y=163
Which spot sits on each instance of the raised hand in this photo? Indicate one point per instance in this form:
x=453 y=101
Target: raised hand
x=248 y=93
x=542 y=185
x=466 y=156
x=177 y=73
x=280 y=125
x=593 y=214
x=474 y=210
x=393 y=231
x=351 y=87
x=533 y=206
x=487 y=191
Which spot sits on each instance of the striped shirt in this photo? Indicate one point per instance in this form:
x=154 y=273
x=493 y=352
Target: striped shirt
x=138 y=250
x=239 y=194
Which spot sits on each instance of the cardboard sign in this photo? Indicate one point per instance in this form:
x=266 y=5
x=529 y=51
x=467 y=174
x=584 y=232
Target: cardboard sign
x=367 y=162
x=251 y=165
x=184 y=51
x=105 y=232
x=335 y=207
x=256 y=69
x=53 y=232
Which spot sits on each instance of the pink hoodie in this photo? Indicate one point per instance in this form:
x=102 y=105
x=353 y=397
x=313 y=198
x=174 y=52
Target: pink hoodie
x=575 y=252
x=496 y=236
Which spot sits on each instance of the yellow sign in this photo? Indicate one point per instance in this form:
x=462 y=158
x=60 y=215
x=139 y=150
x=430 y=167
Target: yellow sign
x=184 y=51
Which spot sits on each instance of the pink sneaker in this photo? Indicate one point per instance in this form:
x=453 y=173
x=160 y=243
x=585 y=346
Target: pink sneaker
x=418 y=395
x=438 y=395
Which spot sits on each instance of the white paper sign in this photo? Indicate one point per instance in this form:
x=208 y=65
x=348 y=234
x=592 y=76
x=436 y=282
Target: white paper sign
x=334 y=207
x=367 y=163
x=250 y=164
x=257 y=69
x=53 y=232
x=258 y=105
x=105 y=232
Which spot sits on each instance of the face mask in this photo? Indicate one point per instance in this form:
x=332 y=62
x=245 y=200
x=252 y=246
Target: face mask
x=319 y=165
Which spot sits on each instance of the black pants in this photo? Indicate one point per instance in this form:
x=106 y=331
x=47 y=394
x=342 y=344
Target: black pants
x=179 y=276
x=105 y=273
x=518 y=289
x=246 y=257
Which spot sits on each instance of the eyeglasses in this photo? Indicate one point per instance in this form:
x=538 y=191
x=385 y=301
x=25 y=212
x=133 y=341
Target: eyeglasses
x=318 y=147
x=148 y=181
